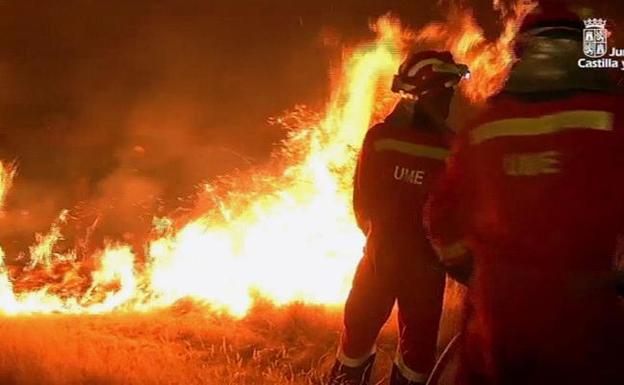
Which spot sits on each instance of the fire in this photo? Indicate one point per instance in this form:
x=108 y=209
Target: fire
x=42 y=252
x=299 y=242
x=489 y=62
x=7 y=173
x=288 y=234
x=285 y=232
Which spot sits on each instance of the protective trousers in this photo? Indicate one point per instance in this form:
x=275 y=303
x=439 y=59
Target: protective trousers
x=417 y=287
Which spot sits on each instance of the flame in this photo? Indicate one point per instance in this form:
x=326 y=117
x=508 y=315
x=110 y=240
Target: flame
x=7 y=300
x=298 y=242
x=285 y=232
x=489 y=61
x=7 y=173
x=42 y=252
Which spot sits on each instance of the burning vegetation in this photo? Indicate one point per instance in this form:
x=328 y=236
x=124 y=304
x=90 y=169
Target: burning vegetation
x=240 y=259
x=274 y=231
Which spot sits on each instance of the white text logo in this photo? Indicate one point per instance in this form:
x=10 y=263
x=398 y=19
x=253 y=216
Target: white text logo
x=596 y=47
x=407 y=175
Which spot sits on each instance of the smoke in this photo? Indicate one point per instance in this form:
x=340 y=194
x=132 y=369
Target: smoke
x=118 y=111
x=114 y=111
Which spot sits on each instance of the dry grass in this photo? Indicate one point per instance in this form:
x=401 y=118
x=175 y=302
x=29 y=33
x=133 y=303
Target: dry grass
x=184 y=345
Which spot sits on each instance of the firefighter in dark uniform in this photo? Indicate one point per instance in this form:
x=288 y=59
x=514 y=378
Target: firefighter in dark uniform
x=400 y=158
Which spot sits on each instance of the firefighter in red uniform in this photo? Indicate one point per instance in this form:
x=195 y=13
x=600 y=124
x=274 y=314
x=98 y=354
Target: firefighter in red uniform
x=399 y=160
x=528 y=213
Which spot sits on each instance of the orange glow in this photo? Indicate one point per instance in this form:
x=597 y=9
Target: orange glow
x=290 y=236
x=285 y=231
x=489 y=61
x=7 y=173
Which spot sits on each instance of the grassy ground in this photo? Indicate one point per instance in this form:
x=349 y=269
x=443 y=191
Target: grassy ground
x=183 y=345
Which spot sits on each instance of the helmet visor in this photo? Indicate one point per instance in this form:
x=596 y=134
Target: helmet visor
x=449 y=75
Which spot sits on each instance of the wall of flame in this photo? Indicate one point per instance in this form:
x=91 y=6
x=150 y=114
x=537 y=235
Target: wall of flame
x=289 y=234
x=289 y=237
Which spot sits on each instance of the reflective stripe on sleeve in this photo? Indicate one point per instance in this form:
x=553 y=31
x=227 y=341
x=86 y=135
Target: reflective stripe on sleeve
x=408 y=373
x=547 y=124
x=431 y=152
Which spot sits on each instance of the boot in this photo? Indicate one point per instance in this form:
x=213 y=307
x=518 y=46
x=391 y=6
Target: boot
x=397 y=378
x=345 y=375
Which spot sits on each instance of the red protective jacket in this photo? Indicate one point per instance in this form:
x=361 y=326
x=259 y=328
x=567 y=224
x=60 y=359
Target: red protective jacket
x=396 y=168
x=397 y=165
x=534 y=190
